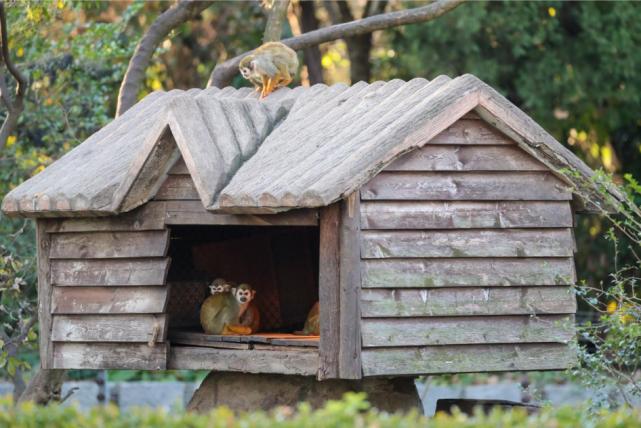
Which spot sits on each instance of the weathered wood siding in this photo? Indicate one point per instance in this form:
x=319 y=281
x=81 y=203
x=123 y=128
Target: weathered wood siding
x=102 y=281
x=466 y=259
x=108 y=292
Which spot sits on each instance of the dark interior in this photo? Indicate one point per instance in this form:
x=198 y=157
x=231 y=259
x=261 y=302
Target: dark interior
x=280 y=263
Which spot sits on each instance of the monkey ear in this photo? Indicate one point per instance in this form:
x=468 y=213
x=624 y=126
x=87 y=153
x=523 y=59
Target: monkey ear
x=233 y=290
x=253 y=293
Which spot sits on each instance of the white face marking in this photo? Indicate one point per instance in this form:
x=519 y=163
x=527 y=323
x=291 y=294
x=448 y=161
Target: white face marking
x=243 y=296
x=220 y=288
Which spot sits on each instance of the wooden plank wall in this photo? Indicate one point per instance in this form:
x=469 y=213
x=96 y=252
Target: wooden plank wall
x=107 y=292
x=467 y=260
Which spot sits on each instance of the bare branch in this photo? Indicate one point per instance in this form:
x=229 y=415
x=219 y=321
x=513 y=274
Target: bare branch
x=15 y=107
x=223 y=73
x=69 y=394
x=179 y=13
x=275 y=21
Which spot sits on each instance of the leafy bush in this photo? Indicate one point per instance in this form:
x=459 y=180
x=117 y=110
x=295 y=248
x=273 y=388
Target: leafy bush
x=352 y=411
x=610 y=356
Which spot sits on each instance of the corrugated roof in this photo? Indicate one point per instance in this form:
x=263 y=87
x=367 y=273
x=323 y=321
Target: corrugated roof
x=302 y=147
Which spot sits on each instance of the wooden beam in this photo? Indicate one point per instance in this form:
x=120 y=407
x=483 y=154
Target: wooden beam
x=376 y=244
x=386 y=332
x=98 y=245
x=349 y=355
x=466 y=158
x=193 y=213
x=467 y=301
x=246 y=361
x=150 y=216
x=472 y=186
x=109 y=328
x=109 y=300
x=465 y=214
x=415 y=361
x=43 y=246
x=427 y=273
x=329 y=292
x=177 y=187
x=96 y=272
x=466 y=131
x=123 y=356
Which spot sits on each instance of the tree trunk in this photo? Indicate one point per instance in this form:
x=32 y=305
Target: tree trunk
x=44 y=387
x=275 y=21
x=244 y=392
x=311 y=54
x=358 y=49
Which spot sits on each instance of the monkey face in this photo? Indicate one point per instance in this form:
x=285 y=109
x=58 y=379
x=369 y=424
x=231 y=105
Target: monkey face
x=215 y=289
x=219 y=286
x=247 y=67
x=244 y=295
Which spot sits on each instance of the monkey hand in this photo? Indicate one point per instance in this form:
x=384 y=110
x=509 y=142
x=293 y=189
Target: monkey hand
x=236 y=329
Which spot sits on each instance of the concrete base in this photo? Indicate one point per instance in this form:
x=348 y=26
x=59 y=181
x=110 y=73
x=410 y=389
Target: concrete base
x=247 y=392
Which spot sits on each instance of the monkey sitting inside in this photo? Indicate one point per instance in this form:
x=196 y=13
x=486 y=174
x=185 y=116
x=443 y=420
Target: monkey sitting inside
x=220 y=308
x=312 y=323
x=248 y=314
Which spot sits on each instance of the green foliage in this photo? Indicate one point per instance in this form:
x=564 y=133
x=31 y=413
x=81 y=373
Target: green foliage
x=73 y=72
x=17 y=302
x=611 y=352
x=570 y=65
x=352 y=411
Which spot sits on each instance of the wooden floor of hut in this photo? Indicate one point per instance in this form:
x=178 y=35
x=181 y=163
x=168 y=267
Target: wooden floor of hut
x=262 y=341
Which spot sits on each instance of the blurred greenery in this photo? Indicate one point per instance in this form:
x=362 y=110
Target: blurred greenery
x=352 y=411
x=572 y=66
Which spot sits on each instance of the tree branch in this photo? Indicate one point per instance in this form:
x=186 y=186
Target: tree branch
x=275 y=21
x=223 y=73
x=15 y=107
x=179 y=13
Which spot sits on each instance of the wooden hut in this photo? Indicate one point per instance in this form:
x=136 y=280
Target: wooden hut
x=432 y=220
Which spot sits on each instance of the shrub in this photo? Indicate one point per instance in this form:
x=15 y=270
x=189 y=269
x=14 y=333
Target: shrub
x=352 y=411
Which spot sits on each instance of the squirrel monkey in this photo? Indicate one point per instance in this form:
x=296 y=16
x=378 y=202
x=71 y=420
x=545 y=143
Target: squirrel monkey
x=269 y=67
x=248 y=320
x=312 y=323
x=220 y=308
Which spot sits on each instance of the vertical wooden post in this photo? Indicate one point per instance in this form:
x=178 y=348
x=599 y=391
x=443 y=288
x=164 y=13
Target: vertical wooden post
x=44 y=294
x=350 y=284
x=328 y=293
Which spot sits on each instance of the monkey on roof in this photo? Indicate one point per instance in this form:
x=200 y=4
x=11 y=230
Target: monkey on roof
x=269 y=67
